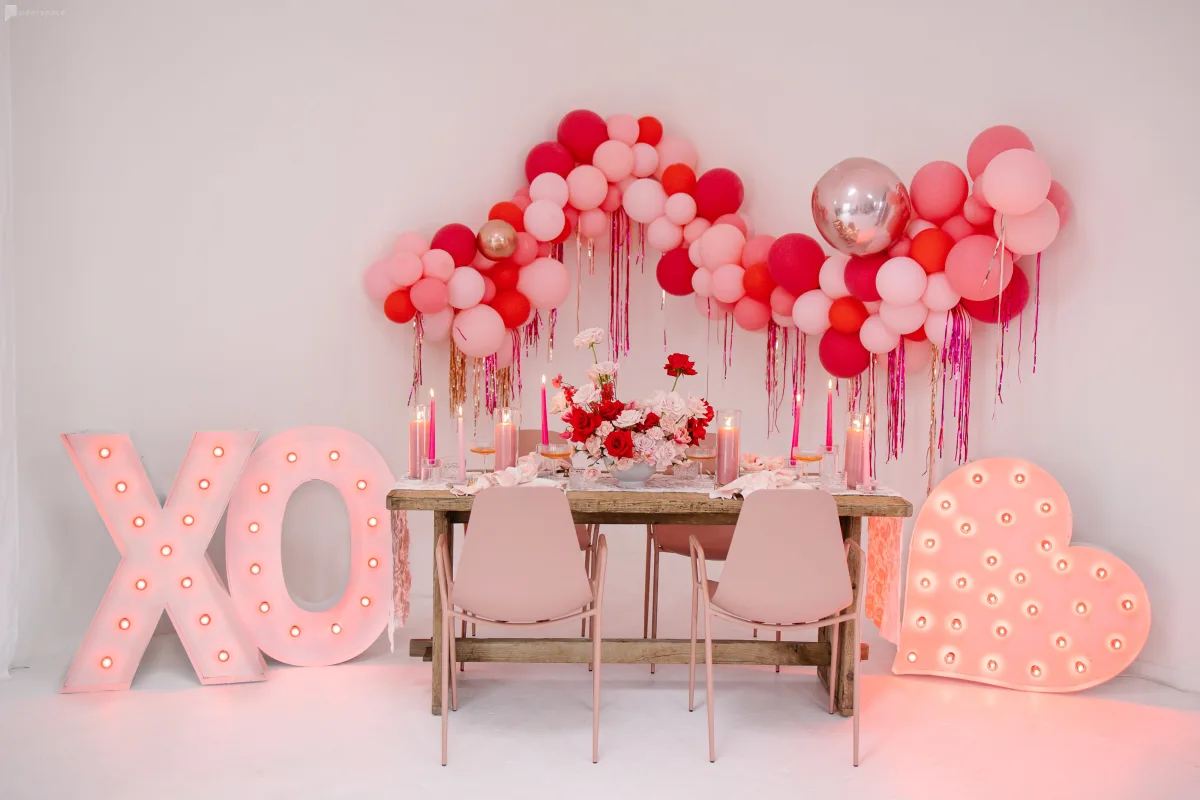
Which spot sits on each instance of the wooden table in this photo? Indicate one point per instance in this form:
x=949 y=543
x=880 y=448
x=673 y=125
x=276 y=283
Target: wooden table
x=638 y=508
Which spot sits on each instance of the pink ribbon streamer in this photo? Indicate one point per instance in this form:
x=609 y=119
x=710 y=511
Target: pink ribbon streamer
x=956 y=363
x=1037 y=307
x=896 y=402
x=418 y=344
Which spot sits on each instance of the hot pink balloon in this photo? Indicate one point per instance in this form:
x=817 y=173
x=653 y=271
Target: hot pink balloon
x=939 y=294
x=478 y=331
x=957 y=228
x=550 y=186
x=681 y=208
x=711 y=307
x=489 y=290
x=695 y=229
x=436 y=327
x=938 y=190
x=544 y=219
x=593 y=223
x=901 y=281
x=1016 y=181
x=727 y=283
x=721 y=244
x=527 y=250
x=972 y=270
x=810 y=312
x=903 y=318
x=751 y=314
x=378 y=282
x=833 y=276
x=612 y=201
x=702 y=282
x=782 y=301
x=411 y=242
x=976 y=212
x=1061 y=198
x=736 y=221
x=675 y=150
x=545 y=282
x=437 y=264
x=1030 y=233
x=645 y=160
x=877 y=337
x=615 y=159
x=623 y=128
x=644 y=200
x=990 y=143
x=586 y=187
x=465 y=288
x=428 y=295
x=756 y=249
x=664 y=235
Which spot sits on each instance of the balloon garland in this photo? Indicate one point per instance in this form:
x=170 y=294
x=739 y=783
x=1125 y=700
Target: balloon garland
x=910 y=270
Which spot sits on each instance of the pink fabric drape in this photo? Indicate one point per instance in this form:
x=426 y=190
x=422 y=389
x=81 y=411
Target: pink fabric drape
x=884 y=536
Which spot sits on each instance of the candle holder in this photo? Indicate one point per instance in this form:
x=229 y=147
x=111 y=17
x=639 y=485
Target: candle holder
x=832 y=479
x=508 y=424
x=729 y=444
x=856 y=427
x=431 y=471
x=418 y=440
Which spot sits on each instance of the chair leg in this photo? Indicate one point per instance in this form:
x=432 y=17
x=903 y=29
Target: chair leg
x=587 y=565
x=453 y=675
x=778 y=638
x=654 y=603
x=447 y=629
x=857 y=683
x=708 y=670
x=595 y=689
x=833 y=666
x=692 y=652
x=462 y=667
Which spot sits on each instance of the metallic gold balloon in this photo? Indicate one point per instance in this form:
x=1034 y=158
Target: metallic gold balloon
x=497 y=239
x=860 y=206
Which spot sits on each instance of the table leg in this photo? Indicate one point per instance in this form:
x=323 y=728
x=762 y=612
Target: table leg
x=844 y=675
x=441 y=527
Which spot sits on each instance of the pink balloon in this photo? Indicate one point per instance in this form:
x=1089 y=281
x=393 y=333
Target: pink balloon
x=645 y=160
x=938 y=191
x=527 y=250
x=465 y=288
x=756 y=249
x=489 y=290
x=917 y=355
x=411 y=242
x=721 y=244
x=695 y=229
x=972 y=271
x=681 y=208
x=593 y=223
x=544 y=219
x=976 y=213
x=378 y=282
x=902 y=247
x=711 y=307
x=783 y=320
x=664 y=235
x=939 y=294
x=482 y=262
x=545 y=282
x=612 y=201
x=572 y=215
x=644 y=200
x=751 y=314
x=810 y=312
x=623 y=128
x=727 y=283
x=876 y=337
x=675 y=150
x=694 y=253
x=736 y=221
x=937 y=327
x=1030 y=233
x=958 y=228
x=873 y=306
x=1063 y=204
x=782 y=301
x=405 y=268
x=428 y=295
x=437 y=264
x=833 y=276
x=521 y=199
x=478 y=331
x=614 y=159
x=1016 y=181
x=543 y=249
x=990 y=143
x=916 y=226
x=702 y=282
x=903 y=318
x=901 y=281
x=436 y=327
x=549 y=186
x=586 y=187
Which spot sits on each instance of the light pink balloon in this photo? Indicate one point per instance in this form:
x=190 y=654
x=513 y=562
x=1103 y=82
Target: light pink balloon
x=756 y=249
x=938 y=190
x=624 y=184
x=489 y=290
x=902 y=247
x=916 y=226
x=782 y=301
x=917 y=355
x=545 y=282
x=614 y=159
x=1030 y=233
x=722 y=244
x=695 y=229
x=903 y=318
x=711 y=307
x=411 y=242
x=1063 y=204
x=976 y=212
x=436 y=327
x=694 y=254
x=586 y=187
x=612 y=201
x=544 y=219
x=623 y=128
x=644 y=200
x=680 y=208
x=522 y=192
x=482 y=262
x=939 y=294
x=900 y=280
x=593 y=223
x=810 y=312
x=428 y=295
x=527 y=249
x=645 y=160
x=521 y=199
x=751 y=314
x=465 y=288
x=1016 y=181
x=478 y=331
x=664 y=235
x=957 y=228
x=972 y=271
x=550 y=186
x=937 y=326
x=783 y=320
x=833 y=276
x=736 y=221
x=675 y=150
x=405 y=268
x=876 y=337
x=504 y=354
x=727 y=283
x=702 y=282
x=378 y=282
x=437 y=264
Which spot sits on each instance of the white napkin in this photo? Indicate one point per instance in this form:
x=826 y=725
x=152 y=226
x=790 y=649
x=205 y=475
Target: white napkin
x=523 y=474
x=750 y=483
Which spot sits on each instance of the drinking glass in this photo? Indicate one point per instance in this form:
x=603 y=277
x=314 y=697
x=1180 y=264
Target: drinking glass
x=484 y=442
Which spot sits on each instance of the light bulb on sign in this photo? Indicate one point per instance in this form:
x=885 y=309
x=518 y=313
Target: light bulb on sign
x=255 y=569
x=123 y=624
x=252 y=527
x=218 y=451
x=361 y=485
x=912 y=657
x=291 y=457
x=139 y=522
x=264 y=488
x=364 y=602
x=294 y=631
x=372 y=562
x=188 y=519
x=205 y=619
x=122 y=486
x=165 y=550
x=334 y=455
x=372 y=522
x=921 y=622
x=204 y=484
x=140 y=584
x=336 y=628
x=186 y=583
x=107 y=661
x=105 y=452
x=223 y=656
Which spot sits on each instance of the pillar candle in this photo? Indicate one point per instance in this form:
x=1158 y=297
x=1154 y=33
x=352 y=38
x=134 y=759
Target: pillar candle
x=432 y=428
x=829 y=419
x=795 y=432
x=854 y=453
x=462 y=449
x=545 y=422
x=728 y=448
x=418 y=443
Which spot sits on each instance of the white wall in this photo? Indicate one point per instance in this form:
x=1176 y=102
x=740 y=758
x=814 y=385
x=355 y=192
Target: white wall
x=8 y=376
x=199 y=186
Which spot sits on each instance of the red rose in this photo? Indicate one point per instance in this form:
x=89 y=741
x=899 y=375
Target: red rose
x=609 y=409
x=651 y=421
x=582 y=423
x=697 y=430
x=619 y=444
x=708 y=413
x=679 y=364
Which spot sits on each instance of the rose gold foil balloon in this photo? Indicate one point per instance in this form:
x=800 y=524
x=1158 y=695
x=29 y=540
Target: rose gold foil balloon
x=861 y=207
x=497 y=239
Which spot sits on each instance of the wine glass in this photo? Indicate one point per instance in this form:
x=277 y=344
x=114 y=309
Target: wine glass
x=704 y=452
x=484 y=442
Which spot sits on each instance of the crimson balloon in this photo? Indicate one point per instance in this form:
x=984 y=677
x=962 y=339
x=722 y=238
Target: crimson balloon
x=842 y=354
x=548 y=157
x=581 y=132
x=861 y=272
x=1012 y=300
x=795 y=262
x=458 y=240
x=718 y=191
x=675 y=271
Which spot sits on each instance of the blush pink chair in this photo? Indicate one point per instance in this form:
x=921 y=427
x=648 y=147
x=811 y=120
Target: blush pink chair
x=787 y=569
x=520 y=568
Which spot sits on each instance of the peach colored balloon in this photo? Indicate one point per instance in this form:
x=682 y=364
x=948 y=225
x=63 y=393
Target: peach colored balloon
x=958 y=228
x=405 y=269
x=902 y=247
x=974 y=272
x=593 y=223
x=976 y=212
x=990 y=143
x=527 y=249
x=756 y=249
x=614 y=159
x=938 y=190
x=645 y=160
x=623 y=128
x=1063 y=204
x=694 y=254
x=727 y=283
x=702 y=282
x=1016 y=181
x=586 y=187
x=722 y=244
x=675 y=150
x=833 y=276
x=411 y=242
x=644 y=200
x=438 y=264
x=751 y=314
x=695 y=229
x=1029 y=233
x=782 y=301
x=544 y=219
x=736 y=221
x=663 y=235
x=681 y=208
x=550 y=186
x=612 y=201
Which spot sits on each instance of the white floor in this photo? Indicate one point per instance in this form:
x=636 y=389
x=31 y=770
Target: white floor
x=364 y=730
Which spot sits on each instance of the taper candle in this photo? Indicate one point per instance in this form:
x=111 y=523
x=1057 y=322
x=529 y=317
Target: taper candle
x=432 y=428
x=829 y=419
x=545 y=422
x=795 y=431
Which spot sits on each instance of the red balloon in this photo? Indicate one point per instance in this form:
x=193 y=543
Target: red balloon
x=458 y=240
x=675 y=271
x=398 y=308
x=847 y=314
x=512 y=306
x=795 y=262
x=548 y=157
x=842 y=354
x=582 y=132
x=860 y=276
x=718 y=191
x=509 y=212
x=929 y=249
x=919 y=335
x=1013 y=299
x=758 y=282
x=649 y=131
x=505 y=275
x=679 y=178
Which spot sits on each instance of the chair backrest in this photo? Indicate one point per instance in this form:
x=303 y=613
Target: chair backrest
x=787 y=561
x=520 y=562
x=529 y=438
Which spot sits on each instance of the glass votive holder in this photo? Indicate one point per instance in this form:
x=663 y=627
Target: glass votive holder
x=808 y=463
x=704 y=453
x=554 y=457
x=431 y=471
x=508 y=426
x=832 y=478
x=729 y=438
x=688 y=470
x=583 y=477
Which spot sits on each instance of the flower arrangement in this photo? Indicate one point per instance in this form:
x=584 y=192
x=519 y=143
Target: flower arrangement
x=656 y=431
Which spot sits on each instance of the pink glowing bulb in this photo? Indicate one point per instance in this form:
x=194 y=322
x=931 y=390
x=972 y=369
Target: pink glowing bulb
x=1115 y=644
x=255 y=569
x=1127 y=605
x=264 y=607
x=992 y=665
x=139 y=522
x=992 y=599
x=165 y=550
x=949 y=658
x=264 y=487
x=945 y=505
x=1047 y=545
x=334 y=455
x=123 y=624
x=336 y=628
x=925 y=583
x=223 y=656
x=992 y=561
x=372 y=522
x=1032 y=610
x=1080 y=667
x=930 y=543
x=977 y=478
x=366 y=601
x=956 y=624
x=1061 y=642
x=921 y=622
x=205 y=619
x=1001 y=631
x=204 y=484
x=188 y=519
x=105 y=452
x=140 y=584
x=294 y=631
x=253 y=527
x=1101 y=573
x=186 y=583
x=107 y=661
x=1006 y=518
x=1081 y=608
x=218 y=451
x=372 y=562
x=1019 y=577
x=1045 y=508
x=1019 y=478
x=1062 y=565
x=912 y=657
x=1035 y=671
x=361 y=485
x=965 y=527
x=291 y=457
x=961 y=583
x=122 y=486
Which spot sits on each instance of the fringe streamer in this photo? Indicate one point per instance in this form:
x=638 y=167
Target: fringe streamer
x=662 y=306
x=956 y=363
x=579 y=279
x=418 y=375
x=1037 y=307
x=401 y=575
x=550 y=333
x=871 y=412
x=1001 y=328
x=533 y=332
x=933 y=394
x=727 y=345
x=458 y=377
x=504 y=387
x=774 y=387
x=476 y=364
x=896 y=402
x=618 y=260
x=707 y=345
x=489 y=384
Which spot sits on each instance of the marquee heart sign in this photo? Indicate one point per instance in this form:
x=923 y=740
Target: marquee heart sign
x=996 y=593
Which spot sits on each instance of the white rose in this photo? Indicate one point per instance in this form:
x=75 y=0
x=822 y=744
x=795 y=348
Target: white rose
x=593 y=446
x=674 y=404
x=655 y=401
x=589 y=337
x=559 y=404
x=585 y=395
x=628 y=418
x=655 y=433
x=696 y=407
x=602 y=372
x=604 y=430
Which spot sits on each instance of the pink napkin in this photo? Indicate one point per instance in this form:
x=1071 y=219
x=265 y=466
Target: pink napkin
x=752 y=482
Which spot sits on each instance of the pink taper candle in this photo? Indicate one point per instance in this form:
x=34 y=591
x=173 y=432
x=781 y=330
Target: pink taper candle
x=432 y=428
x=829 y=419
x=545 y=422
x=795 y=431
x=462 y=449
